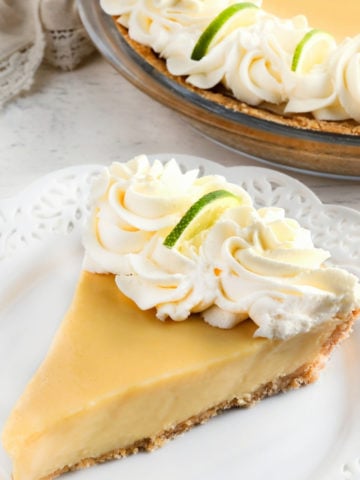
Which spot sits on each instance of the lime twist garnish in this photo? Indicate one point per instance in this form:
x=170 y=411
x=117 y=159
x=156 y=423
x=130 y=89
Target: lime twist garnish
x=201 y=215
x=313 y=49
x=235 y=16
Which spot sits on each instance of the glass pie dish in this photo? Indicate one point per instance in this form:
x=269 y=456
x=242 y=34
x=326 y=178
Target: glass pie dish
x=260 y=134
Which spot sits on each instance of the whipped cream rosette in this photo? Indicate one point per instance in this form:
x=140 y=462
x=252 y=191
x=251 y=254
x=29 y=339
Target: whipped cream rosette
x=345 y=68
x=246 y=263
x=159 y=22
x=252 y=62
x=172 y=282
x=332 y=90
x=269 y=270
x=135 y=201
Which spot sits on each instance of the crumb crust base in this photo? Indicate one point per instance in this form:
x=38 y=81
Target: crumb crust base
x=221 y=96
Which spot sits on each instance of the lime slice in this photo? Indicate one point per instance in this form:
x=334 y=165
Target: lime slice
x=235 y=16
x=313 y=49
x=201 y=216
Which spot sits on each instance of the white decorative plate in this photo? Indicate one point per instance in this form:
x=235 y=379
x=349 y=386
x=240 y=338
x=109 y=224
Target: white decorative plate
x=311 y=434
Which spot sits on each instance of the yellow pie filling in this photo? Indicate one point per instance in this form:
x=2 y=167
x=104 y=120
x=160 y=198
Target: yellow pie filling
x=340 y=18
x=116 y=374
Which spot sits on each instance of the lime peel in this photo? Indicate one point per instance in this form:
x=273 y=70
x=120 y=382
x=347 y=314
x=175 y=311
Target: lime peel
x=301 y=47
x=209 y=34
x=186 y=228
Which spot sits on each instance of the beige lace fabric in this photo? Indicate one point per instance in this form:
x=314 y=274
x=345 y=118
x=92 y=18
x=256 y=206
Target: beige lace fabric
x=35 y=30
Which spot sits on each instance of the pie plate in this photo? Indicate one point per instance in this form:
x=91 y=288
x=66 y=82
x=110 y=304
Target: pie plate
x=310 y=434
x=269 y=138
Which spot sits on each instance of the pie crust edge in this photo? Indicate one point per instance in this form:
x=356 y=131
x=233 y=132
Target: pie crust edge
x=298 y=121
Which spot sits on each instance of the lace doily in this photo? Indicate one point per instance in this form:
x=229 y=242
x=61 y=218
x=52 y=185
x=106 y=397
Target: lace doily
x=55 y=204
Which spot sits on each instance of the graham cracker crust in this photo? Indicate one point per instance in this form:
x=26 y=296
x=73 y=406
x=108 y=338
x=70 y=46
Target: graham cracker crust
x=304 y=375
x=222 y=97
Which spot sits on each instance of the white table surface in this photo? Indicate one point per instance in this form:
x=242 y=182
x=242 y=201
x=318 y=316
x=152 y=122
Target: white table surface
x=93 y=115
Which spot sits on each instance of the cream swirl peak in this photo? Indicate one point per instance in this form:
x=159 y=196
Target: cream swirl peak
x=247 y=263
x=135 y=201
x=254 y=61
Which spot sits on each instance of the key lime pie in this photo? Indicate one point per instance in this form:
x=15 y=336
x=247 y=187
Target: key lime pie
x=299 y=59
x=191 y=301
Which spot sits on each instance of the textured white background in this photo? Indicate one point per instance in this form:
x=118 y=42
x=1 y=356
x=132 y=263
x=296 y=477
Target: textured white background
x=93 y=115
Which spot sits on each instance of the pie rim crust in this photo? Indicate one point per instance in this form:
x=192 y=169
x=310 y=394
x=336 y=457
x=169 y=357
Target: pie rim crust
x=347 y=128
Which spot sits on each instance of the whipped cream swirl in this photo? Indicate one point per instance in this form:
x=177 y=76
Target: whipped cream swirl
x=253 y=62
x=269 y=270
x=332 y=90
x=249 y=263
x=136 y=200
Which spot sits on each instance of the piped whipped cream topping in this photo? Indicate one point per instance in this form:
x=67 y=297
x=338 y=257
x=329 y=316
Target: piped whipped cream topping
x=250 y=263
x=253 y=62
x=135 y=201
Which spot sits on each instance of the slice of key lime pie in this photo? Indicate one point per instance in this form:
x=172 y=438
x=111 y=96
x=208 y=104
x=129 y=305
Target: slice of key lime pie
x=191 y=301
x=298 y=58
